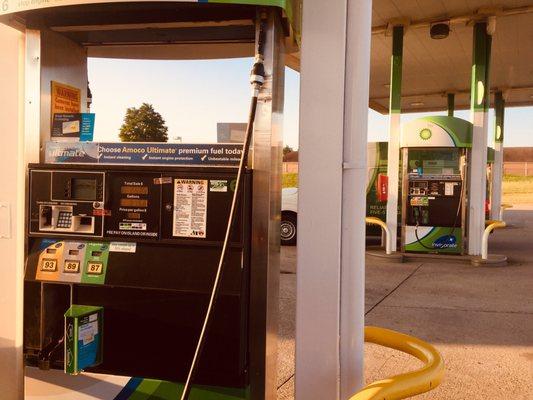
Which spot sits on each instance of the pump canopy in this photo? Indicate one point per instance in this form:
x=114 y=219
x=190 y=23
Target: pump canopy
x=437 y=131
x=187 y=29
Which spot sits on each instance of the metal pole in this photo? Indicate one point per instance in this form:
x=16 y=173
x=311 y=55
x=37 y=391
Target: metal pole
x=451 y=104
x=479 y=104
x=322 y=86
x=329 y=327
x=266 y=204
x=12 y=212
x=497 y=168
x=394 y=132
x=352 y=296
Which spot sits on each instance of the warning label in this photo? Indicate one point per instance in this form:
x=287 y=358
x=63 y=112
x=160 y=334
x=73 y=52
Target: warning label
x=190 y=208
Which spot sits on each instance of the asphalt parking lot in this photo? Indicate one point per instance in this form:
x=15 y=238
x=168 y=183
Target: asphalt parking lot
x=479 y=318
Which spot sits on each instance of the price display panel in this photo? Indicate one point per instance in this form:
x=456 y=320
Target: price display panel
x=134 y=202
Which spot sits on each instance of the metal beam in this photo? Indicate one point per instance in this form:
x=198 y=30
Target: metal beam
x=329 y=326
x=12 y=198
x=460 y=19
x=320 y=199
x=451 y=104
x=352 y=296
x=266 y=205
x=479 y=104
x=497 y=167
x=394 y=132
x=211 y=34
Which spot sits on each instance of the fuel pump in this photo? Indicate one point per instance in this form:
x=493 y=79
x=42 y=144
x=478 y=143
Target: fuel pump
x=435 y=153
x=140 y=270
x=138 y=246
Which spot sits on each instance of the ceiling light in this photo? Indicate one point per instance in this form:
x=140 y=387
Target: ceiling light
x=439 y=30
x=417 y=103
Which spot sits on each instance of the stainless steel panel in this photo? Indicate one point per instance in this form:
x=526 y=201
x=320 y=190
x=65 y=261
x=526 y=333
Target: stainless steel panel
x=266 y=162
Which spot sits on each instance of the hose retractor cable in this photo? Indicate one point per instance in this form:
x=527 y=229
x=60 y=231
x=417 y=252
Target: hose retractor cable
x=257 y=78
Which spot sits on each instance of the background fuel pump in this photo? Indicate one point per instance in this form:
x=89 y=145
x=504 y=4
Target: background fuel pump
x=434 y=171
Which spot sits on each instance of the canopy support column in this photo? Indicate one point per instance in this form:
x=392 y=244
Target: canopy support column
x=353 y=238
x=331 y=204
x=497 y=169
x=12 y=216
x=393 y=165
x=479 y=104
x=451 y=104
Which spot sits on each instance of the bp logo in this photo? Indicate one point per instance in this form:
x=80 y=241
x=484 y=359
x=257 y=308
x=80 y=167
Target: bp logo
x=425 y=134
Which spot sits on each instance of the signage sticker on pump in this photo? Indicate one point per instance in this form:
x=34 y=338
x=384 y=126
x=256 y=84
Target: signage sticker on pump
x=190 y=208
x=74 y=127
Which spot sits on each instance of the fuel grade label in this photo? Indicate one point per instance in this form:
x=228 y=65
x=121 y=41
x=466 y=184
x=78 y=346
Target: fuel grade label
x=190 y=208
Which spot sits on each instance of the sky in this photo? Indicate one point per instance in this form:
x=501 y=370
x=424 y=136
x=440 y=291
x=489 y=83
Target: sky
x=192 y=96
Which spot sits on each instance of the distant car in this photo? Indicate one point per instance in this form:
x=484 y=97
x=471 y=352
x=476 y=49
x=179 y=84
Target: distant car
x=289 y=219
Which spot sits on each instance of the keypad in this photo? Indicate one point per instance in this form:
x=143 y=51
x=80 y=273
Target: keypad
x=64 y=219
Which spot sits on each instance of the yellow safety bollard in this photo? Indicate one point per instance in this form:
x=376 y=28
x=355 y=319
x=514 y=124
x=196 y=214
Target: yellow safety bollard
x=384 y=228
x=490 y=226
x=411 y=383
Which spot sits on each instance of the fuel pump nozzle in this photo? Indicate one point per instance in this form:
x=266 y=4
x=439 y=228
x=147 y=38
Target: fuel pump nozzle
x=45 y=355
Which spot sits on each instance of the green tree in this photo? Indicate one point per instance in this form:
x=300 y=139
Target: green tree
x=287 y=149
x=143 y=124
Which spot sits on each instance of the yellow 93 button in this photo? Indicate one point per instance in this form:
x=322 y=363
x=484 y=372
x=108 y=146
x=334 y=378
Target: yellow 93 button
x=49 y=265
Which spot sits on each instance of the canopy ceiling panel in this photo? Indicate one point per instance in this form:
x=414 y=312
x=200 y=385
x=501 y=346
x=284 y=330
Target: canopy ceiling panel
x=155 y=29
x=432 y=68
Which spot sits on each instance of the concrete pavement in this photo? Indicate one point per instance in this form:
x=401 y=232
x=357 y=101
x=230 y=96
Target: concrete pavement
x=480 y=318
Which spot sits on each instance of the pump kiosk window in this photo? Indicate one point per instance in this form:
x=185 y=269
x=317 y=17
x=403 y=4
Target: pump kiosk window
x=435 y=151
x=121 y=260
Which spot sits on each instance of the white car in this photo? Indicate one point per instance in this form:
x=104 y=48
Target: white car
x=376 y=166
x=289 y=212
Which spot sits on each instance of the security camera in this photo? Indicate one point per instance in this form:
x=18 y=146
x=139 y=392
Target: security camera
x=439 y=30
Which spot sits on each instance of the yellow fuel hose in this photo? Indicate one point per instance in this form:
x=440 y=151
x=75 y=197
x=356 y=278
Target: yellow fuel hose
x=411 y=383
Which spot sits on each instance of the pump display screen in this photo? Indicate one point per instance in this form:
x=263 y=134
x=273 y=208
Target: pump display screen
x=134 y=203
x=83 y=189
x=134 y=190
x=434 y=161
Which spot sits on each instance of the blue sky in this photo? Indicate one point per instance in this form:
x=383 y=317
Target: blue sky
x=192 y=96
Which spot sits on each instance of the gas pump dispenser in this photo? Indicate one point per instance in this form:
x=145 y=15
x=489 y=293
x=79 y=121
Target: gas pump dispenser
x=152 y=278
x=140 y=244
x=435 y=153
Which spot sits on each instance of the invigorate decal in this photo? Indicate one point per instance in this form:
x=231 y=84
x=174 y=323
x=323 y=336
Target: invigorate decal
x=433 y=239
